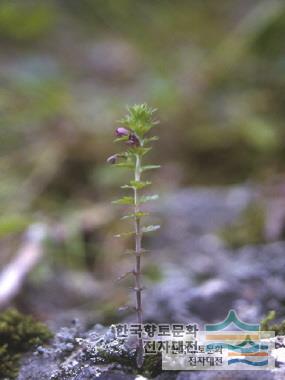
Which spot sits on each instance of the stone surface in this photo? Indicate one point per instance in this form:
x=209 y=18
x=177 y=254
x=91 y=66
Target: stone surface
x=97 y=354
x=200 y=283
x=81 y=356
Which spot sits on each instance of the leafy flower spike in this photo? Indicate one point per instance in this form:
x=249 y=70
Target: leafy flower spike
x=135 y=134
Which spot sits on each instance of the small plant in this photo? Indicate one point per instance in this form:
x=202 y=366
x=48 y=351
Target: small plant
x=135 y=134
x=267 y=324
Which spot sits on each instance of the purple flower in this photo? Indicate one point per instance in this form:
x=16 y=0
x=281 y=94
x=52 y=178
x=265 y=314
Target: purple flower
x=112 y=159
x=121 y=132
x=133 y=140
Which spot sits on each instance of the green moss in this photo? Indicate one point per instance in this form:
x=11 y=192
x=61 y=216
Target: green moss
x=8 y=363
x=265 y=324
x=18 y=334
x=111 y=354
x=151 y=366
x=248 y=229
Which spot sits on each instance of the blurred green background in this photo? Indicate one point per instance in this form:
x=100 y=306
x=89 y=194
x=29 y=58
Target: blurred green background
x=68 y=68
x=215 y=71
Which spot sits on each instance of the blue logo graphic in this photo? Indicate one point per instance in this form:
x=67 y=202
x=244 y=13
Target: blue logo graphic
x=241 y=344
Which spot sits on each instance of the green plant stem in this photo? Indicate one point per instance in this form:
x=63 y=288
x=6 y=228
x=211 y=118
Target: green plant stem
x=137 y=272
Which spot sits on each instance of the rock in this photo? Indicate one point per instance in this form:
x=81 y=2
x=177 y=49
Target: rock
x=279 y=355
x=74 y=355
x=212 y=300
x=201 y=211
x=166 y=300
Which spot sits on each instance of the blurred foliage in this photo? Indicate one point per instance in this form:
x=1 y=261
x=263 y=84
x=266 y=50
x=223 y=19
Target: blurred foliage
x=153 y=273
x=18 y=334
x=68 y=68
x=25 y=21
x=12 y=224
x=248 y=229
x=66 y=254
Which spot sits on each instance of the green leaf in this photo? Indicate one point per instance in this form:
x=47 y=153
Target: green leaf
x=123 y=138
x=140 y=150
x=140 y=184
x=150 y=139
x=147 y=198
x=124 y=201
x=139 y=119
x=136 y=185
x=126 y=164
x=139 y=214
x=141 y=130
x=150 y=228
x=149 y=167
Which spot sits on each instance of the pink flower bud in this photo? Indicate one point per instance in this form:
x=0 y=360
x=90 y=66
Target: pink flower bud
x=121 y=132
x=112 y=159
x=133 y=140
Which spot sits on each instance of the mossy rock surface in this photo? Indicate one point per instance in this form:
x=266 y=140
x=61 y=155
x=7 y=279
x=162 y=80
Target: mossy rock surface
x=18 y=334
x=97 y=354
x=75 y=354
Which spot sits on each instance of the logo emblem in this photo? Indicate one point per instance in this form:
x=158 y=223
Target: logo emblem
x=243 y=343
